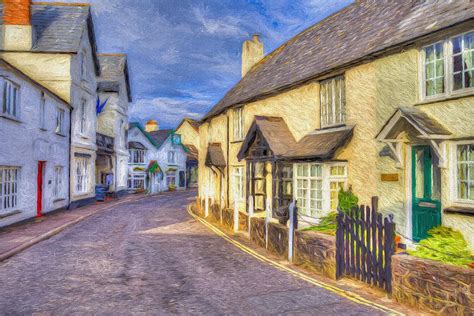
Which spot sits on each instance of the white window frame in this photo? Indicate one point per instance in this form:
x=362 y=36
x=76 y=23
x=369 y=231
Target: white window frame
x=137 y=156
x=171 y=178
x=448 y=71
x=60 y=115
x=8 y=109
x=238 y=122
x=82 y=175
x=455 y=198
x=329 y=85
x=82 y=117
x=43 y=111
x=134 y=178
x=9 y=189
x=238 y=183
x=326 y=179
x=172 y=157
x=58 y=182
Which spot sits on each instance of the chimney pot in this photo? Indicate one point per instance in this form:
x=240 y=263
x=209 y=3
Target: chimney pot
x=252 y=53
x=16 y=12
x=17 y=30
x=151 y=126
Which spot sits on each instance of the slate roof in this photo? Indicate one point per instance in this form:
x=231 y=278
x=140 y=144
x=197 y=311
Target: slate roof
x=320 y=144
x=361 y=30
x=417 y=118
x=58 y=28
x=160 y=136
x=215 y=156
x=112 y=68
x=275 y=132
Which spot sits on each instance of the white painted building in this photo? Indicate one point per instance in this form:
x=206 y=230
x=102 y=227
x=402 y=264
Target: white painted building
x=115 y=96
x=34 y=154
x=157 y=159
x=54 y=43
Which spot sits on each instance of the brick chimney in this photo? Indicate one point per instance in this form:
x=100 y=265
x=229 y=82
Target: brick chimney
x=152 y=126
x=252 y=53
x=17 y=30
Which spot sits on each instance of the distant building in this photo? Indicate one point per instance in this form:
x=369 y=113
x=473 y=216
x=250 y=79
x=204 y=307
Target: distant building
x=34 y=154
x=112 y=122
x=189 y=131
x=157 y=159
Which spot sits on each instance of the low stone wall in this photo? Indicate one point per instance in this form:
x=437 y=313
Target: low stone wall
x=243 y=222
x=433 y=286
x=278 y=239
x=317 y=252
x=257 y=231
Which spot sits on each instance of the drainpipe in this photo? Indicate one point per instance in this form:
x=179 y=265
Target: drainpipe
x=228 y=161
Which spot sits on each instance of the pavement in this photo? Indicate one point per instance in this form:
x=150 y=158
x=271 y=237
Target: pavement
x=149 y=256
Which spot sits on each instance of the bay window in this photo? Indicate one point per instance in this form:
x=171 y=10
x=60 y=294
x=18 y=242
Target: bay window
x=317 y=187
x=333 y=102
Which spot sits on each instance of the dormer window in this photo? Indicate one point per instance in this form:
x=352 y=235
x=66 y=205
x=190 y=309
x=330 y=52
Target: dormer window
x=333 y=102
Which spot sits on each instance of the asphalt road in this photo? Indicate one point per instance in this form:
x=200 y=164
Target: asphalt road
x=150 y=257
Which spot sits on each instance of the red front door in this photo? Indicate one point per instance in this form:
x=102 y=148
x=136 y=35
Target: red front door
x=39 y=199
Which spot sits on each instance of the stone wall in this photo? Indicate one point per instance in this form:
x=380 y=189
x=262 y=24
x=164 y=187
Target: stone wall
x=257 y=231
x=433 y=286
x=278 y=239
x=243 y=222
x=317 y=252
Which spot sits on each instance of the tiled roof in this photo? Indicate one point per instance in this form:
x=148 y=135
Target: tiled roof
x=363 y=29
x=192 y=152
x=275 y=132
x=160 y=136
x=215 y=156
x=112 y=68
x=320 y=144
x=194 y=123
x=58 y=28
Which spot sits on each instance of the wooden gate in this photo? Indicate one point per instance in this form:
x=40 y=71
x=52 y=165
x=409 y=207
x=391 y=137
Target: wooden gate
x=365 y=243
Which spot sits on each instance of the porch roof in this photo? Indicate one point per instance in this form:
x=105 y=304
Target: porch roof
x=425 y=125
x=215 y=156
x=192 y=153
x=275 y=132
x=153 y=167
x=320 y=144
x=136 y=145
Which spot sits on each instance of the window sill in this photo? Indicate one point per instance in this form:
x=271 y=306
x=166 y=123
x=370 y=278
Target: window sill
x=61 y=134
x=454 y=96
x=332 y=126
x=10 y=117
x=237 y=141
x=469 y=211
x=8 y=214
x=59 y=200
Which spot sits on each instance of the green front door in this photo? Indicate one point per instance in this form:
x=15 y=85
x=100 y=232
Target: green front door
x=426 y=212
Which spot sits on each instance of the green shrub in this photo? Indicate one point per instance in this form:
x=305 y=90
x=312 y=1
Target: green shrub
x=446 y=245
x=347 y=200
x=327 y=224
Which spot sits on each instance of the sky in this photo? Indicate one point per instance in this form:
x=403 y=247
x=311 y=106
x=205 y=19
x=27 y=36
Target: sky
x=184 y=55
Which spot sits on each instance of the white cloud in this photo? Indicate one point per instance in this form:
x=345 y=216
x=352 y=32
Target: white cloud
x=169 y=110
x=227 y=26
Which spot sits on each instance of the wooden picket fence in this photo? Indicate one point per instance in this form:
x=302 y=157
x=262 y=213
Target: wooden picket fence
x=365 y=243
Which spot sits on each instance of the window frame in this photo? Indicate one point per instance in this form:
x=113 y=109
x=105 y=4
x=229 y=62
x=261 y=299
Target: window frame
x=172 y=157
x=137 y=153
x=82 y=117
x=455 y=197
x=238 y=124
x=135 y=177
x=326 y=180
x=82 y=180
x=60 y=116
x=13 y=186
x=4 y=109
x=238 y=183
x=323 y=115
x=58 y=182
x=43 y=111
x=448 y=70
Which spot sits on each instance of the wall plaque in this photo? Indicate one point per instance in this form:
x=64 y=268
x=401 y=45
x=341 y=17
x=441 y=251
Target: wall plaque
x=390 y=177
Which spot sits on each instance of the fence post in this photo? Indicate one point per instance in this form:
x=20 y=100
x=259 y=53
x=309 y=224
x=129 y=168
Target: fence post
x=250 y=201
x=389 y=244
x=267 y=220
x=236 y=215
x=339 y=244
x=291 y=230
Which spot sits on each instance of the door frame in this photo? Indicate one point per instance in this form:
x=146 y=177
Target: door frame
x=40 y=187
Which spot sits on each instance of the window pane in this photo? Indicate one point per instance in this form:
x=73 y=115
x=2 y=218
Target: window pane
x=457 y=81
x=316 y=171
x=439 y=51
x=439 y=68
x=469 y=41
x=457 y=45
x=457 y=63
x=439 y=85
x=468 y=80
x=429 y=54
x=430 y=70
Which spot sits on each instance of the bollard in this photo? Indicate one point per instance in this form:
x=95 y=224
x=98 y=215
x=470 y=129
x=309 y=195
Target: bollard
x=267 y=220
x=291 y=230
x=250 y=211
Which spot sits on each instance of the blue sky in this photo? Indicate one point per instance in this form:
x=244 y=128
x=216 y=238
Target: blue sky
x=184 y=55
